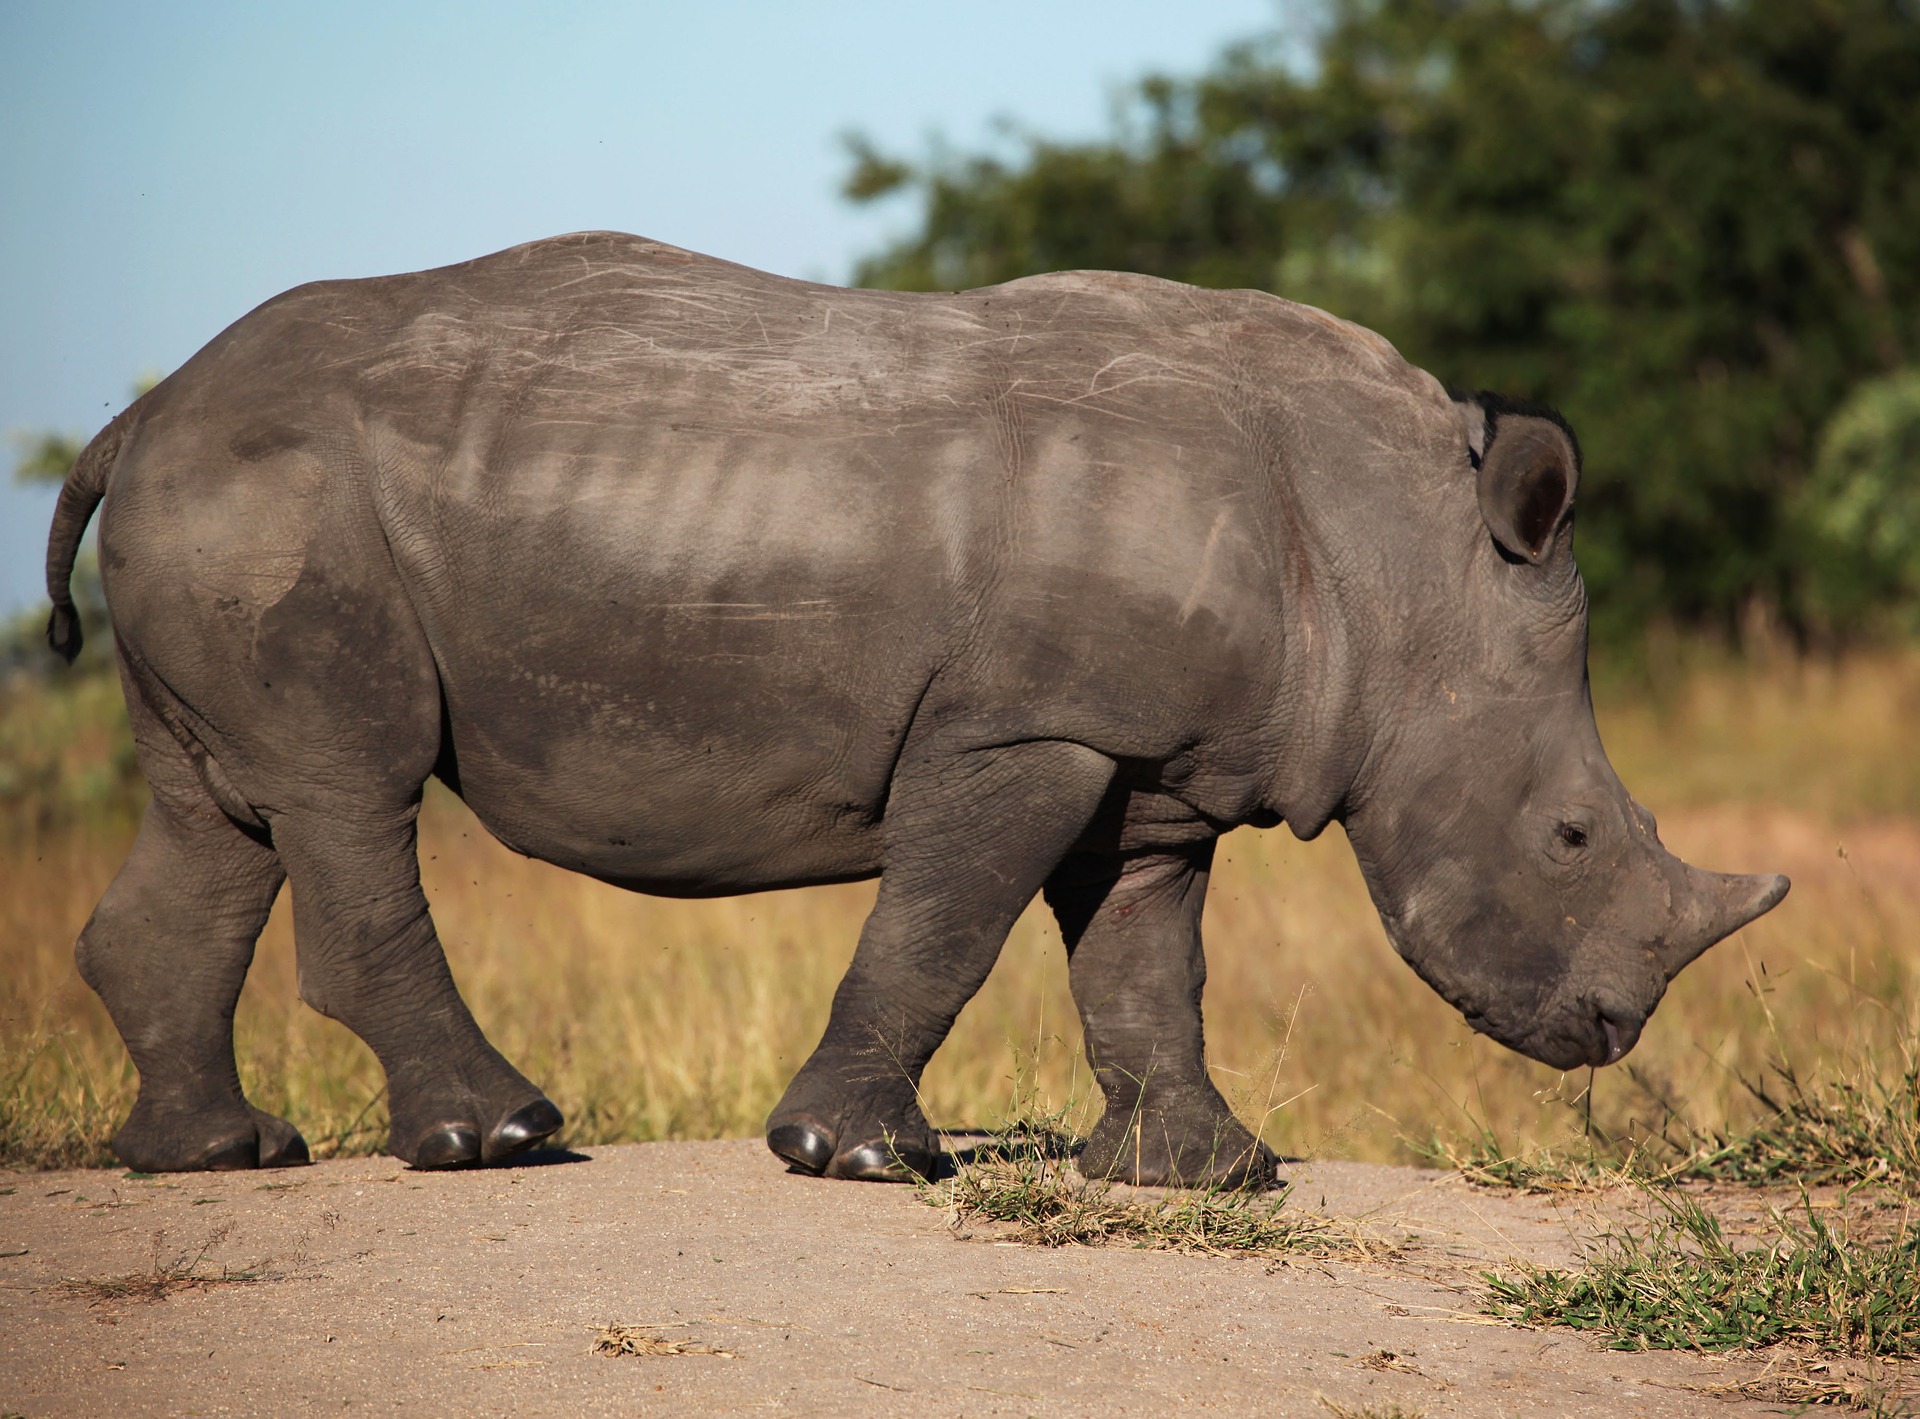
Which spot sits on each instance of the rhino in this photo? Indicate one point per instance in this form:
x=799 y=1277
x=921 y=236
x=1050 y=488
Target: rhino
x=700 y=580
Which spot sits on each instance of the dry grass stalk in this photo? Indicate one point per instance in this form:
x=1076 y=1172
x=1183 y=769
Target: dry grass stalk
x=1021 y=1184
x=168 y=1275
x=1387 y=1360
x=640 y=1340
x=1367 y=1411
x=1806 y=1382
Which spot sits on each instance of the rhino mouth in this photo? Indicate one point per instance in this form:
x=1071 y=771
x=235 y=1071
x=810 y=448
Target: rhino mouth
x=1614 y=1048
x=1595 y=1037
x=1615 y=1031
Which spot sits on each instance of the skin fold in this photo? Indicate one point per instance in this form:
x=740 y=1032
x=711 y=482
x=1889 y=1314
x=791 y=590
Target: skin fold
x=702 y=581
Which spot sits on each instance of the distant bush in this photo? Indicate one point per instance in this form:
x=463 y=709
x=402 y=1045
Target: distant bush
x=1862 y=505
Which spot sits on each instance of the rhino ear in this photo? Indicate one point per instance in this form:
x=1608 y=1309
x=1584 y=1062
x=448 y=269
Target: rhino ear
x=1474 y=418
x=1528 y=474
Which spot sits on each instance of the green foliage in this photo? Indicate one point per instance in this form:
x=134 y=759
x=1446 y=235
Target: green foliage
x=1693 y=227
x=44 y=457
x=47 y=456
x=1682 y=1285
x=1864 y=502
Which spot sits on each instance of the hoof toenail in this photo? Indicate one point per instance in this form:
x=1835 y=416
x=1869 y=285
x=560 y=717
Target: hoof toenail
x=804 y=1145
x=233 y=1156
x=523 y=1128
x=883 y=1162
x=452 y=1145
x=290 y=1154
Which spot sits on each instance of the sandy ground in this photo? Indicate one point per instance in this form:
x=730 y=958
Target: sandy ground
x=359 y=1286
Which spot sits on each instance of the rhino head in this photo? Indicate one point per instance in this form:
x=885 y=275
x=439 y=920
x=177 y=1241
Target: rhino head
x=1509 y=864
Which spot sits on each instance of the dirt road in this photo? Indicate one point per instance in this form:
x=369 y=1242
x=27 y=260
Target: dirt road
x=357 y=1286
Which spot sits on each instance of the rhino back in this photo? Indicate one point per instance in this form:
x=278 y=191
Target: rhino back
x=696 y=548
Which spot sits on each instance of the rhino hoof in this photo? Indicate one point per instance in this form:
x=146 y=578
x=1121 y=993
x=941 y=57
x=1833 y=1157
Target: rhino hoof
x=885 y=1162
x=522 y=1128
x=232 y=1155
x=281 y=1145
x=452 y=1145
x=804 y=1146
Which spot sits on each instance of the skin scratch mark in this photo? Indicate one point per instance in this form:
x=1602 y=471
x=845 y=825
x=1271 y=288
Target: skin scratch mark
x=1206 y=565
x=590 y=275
x=1095 y=393
x=1094 y=382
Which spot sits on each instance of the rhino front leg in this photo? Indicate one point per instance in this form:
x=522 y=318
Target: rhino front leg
x=1132 y=928
x=970 y=838
x=370 y=958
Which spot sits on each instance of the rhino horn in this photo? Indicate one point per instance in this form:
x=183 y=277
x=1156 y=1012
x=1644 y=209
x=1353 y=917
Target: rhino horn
x=1719 y=904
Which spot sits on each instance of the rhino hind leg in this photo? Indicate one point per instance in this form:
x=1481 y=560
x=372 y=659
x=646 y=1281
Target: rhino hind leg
x=371 y=959
x=167 y=950
x=970 y=838
x=1132 y=928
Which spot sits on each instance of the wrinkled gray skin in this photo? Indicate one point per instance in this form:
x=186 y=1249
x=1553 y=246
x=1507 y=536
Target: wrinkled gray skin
x=703 y=581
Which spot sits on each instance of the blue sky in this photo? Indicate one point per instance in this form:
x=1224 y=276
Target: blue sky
x=164 y=168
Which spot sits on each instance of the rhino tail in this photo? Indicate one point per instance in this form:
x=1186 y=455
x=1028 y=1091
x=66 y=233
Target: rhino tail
x=80 y=494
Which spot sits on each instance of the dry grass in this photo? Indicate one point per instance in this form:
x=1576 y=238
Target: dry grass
x=1021 y=1183
x=1367 y=1411
x=1690 y=726
x=618 y=1340
x=172 y=1272
x=1806 y=1382
x=648 y=1019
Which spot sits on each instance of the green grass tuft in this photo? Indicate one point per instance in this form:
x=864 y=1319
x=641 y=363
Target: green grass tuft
x=1682 y=1285
x=1853 y=1122
x=1480 y=1158
x=1862 y=1127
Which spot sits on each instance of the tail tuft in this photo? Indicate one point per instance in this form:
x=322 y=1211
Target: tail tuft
x=63 y=633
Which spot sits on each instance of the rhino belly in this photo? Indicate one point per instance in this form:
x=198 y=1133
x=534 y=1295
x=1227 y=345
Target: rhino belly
x=651 y=813
x=684 y=747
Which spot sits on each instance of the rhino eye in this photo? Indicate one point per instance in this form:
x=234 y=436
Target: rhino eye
x=1572 y=835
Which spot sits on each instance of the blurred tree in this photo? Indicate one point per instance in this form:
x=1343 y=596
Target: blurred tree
x=1864 y=503
x=1692 y=225
x=44 y=457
